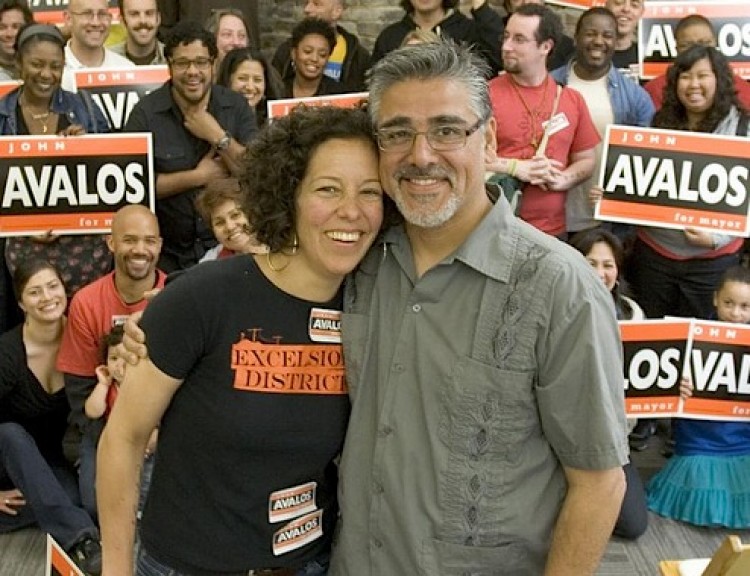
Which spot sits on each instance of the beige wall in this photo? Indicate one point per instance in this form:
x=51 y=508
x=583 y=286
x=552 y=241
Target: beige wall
x=365 y=18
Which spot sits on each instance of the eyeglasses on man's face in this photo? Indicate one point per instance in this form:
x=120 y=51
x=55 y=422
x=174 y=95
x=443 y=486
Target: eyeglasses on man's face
x=441 y=137
x=182 y=64
x=91 y=15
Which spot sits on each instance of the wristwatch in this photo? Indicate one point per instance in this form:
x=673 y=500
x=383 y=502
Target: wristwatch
x=223 y=142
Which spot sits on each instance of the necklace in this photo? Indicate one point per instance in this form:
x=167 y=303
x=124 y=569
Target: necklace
x=534 y=115
x=40 y=118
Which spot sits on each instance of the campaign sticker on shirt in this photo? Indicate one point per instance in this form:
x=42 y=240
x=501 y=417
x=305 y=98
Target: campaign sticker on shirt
x=556 y=123
x=325 y=325
x=292 y=502
x=298 y=533
x=119 y=320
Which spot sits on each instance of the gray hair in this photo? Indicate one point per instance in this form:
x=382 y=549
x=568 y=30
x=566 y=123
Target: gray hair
x=445 y=60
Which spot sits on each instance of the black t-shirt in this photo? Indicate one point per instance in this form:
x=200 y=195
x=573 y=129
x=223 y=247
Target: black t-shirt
x=244 y=468
x=622 y=59
x=24 y=401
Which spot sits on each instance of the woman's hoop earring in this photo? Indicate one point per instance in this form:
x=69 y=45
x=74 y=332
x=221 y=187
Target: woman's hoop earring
x=292 y=251
x=271 y=266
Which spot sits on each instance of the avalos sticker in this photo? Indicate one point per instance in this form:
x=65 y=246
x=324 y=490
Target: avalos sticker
x=292 y=502
x=325 y=325
x=298 y=533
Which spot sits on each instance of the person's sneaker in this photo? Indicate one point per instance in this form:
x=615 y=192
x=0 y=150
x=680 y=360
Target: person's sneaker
x=87 y=554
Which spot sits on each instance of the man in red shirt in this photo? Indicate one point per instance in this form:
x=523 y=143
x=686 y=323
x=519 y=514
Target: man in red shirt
x=546 y=138
x=135 y=244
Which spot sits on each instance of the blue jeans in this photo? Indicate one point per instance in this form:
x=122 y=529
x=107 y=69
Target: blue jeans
x=666 y=287
x=147 y=565
x=51 y=492
x=87 y=469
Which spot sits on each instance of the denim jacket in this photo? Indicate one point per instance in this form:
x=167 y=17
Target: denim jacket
x=631 y=104
x=79 y=108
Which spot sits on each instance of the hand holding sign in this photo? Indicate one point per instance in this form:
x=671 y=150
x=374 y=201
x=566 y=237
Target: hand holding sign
x=698 y=237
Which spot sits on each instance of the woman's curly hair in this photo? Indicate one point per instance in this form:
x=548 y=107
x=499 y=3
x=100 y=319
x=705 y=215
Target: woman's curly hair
x=277 y=160
x=673 y=114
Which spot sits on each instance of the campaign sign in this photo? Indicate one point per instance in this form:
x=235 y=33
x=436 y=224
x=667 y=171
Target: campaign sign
x=582 y=4
x=675 y=179
x=278 y=108
x=53 y=11
x=118 y=90
x=719 y=366
x=654 y=355
x=72 y=185
x=7 y=86
x=730 y=20
x=58 y=562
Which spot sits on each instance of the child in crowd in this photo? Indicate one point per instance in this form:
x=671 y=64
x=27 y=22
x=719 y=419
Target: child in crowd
x=706 y=481
x=102 y=399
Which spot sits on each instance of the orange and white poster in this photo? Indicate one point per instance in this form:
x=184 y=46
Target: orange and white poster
x=278 y=108
x=582 y=4
x=654 y=355
x=72 y=185
x=7 y=86
x=53 y=11
x=719 y=367
x=58 y=562
x=675 y=179
x=118 y=90
x=730 y=20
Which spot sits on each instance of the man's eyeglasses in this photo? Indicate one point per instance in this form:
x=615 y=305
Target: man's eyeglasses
x=182 y=64
x=90 y=15
x=441 y=138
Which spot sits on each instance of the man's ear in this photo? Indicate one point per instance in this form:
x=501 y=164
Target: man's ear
x=490 y=140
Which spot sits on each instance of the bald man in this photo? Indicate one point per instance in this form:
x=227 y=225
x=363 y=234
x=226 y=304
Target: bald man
x=89 y=22
x=135 y=244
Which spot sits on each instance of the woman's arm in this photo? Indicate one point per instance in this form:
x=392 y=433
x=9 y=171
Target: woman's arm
x=143 y=398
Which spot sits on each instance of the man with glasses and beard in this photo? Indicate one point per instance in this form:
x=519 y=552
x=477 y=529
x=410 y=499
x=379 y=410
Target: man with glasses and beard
x=200 y=132
x=141 y=19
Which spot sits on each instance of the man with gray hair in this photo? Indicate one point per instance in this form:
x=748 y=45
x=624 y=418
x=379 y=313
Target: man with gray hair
x=483 y=358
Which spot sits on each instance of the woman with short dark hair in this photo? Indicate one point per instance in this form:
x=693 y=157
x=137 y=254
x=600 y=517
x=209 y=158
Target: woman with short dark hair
x=245 y=371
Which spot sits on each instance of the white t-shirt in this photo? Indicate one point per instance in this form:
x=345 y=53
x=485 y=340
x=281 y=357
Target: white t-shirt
x=579 y=214
x=111 y=60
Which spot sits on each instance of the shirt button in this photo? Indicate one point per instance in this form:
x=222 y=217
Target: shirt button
x=377 y=543
x=417 y=308
x=398 y=367
x=377 y=488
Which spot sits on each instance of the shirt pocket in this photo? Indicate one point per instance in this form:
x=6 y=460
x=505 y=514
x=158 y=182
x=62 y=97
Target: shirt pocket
x=491 y=412
x=168 y=159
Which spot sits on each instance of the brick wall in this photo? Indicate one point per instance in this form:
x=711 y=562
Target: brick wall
x=363 y=17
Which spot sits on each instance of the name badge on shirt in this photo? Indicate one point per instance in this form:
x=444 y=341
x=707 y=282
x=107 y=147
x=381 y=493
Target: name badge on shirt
x=298 y=533
x=325 y=326
x=558 y=122
x=292 y=502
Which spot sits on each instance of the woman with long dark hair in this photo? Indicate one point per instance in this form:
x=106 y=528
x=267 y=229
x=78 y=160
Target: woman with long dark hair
x=676 y=271
x=37 y=485
x=248 y=71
